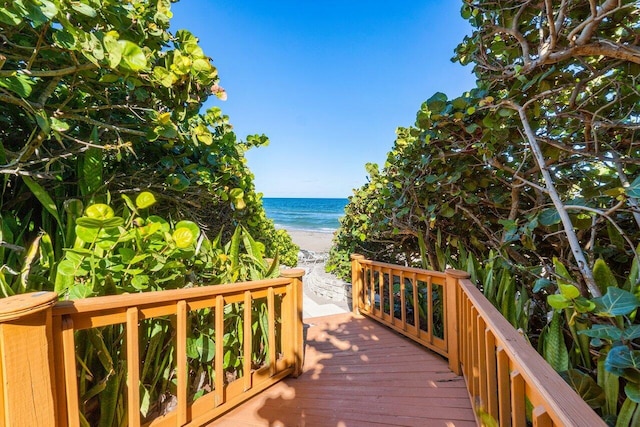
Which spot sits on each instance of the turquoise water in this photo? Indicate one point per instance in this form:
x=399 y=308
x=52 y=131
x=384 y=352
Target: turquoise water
x=319 y=215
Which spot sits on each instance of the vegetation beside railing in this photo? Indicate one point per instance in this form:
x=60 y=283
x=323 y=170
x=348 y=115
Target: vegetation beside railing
x=207 y=369
x=508 y=381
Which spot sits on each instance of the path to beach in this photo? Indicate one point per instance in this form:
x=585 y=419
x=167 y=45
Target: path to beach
x=324 y=293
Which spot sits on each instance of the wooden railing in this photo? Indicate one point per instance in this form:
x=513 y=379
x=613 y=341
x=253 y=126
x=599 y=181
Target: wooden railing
x=448 y=314
x=39 y=364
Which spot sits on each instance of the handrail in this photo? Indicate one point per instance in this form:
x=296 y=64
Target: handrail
x=52 y=333
x=503 y=372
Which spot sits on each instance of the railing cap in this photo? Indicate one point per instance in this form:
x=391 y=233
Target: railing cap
x=458 y=274
x=357 y=256
x=292 y=273
x=18 y=306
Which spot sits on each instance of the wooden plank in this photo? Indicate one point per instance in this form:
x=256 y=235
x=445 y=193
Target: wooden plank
x=504 y=388
x=491 y=374
x=540 y=417
x=181 y=361
x=271 y=321
x=430 y=308
x=482 y=362
x=219 y=355
x=564 y=406
x=71 y=383
x=27 y=388
x=248 y=340
x=359 y=373
x=115 y=302
x=133 y=368
x=518 y=406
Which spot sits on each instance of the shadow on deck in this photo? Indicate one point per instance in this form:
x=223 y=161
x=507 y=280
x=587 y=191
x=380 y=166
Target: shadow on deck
x=359 y=373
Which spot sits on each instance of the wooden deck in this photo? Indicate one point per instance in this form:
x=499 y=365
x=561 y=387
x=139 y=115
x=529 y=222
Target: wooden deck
x=359 y=373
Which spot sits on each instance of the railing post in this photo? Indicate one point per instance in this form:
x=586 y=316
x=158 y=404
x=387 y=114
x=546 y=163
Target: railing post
x=27 y=380
x=452 y=311
x=356 y=282
x=298 y=333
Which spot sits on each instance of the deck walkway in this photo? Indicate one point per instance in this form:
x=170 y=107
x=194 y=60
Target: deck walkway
x=359 y=373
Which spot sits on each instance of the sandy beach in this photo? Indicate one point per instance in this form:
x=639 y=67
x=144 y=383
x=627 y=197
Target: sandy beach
x=311 y=241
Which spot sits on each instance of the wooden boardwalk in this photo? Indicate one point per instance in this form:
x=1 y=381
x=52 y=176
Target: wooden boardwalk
x=359 y=373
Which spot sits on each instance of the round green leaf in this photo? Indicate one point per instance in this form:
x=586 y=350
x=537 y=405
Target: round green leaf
x=99 y=211
x=140 y=282
x=558 y=301
x=164 y=225
x=86 y=234
x=133 y=56
x=183 y=237
x=144 y=200
x=569 y=291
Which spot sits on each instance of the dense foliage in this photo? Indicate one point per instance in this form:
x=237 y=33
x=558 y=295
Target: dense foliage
x=100 y=103
x=529 y=181
x=99 y=98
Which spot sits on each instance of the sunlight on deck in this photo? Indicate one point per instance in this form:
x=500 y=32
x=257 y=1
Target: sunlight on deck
x=359 y=373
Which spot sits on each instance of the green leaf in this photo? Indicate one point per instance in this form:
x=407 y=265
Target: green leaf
x=145 y=200
x=183 y=237
x=632 y=390
x=608 y=332
x=633 y=190
x=586 y=387
x=540 y=284
x=91 y=172
x=620 y=358
x=65 y=39
x=569 y=291
x=603 y=276
x=114 y=51
x=202 y=348
x=555 y=349
x=190 y=225
x=86 y=234
x=133 y=56
x=616 y=302
x=549 y=217
x=631 y=332
x=20 y=84
x=83 y=9
x=59 y=125
x=9 y=17
x=44 y=198
x=99 y=211
x=558 y=301
x=140 y=282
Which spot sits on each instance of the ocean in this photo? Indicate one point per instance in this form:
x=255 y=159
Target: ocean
x=320 y=215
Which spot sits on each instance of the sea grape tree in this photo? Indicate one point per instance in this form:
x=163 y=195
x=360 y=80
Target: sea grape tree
x=540 y=161
x=99 y=98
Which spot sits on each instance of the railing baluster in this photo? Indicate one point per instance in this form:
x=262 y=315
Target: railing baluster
x=181 y=361
x=416 y=302
x=482 y=360
x=518 y=407
x=490 y=366
x=71 y=382
x=430 y=309
x=504 y=388
x=272 y=331
x=248 y=340
x=219 y=354
x=133 y=367
x=540 y=417
x=372 y=286
x=475 y=359
x=60 y=387
x=403 y=303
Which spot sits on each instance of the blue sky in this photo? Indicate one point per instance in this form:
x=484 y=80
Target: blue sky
x=327 y=81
